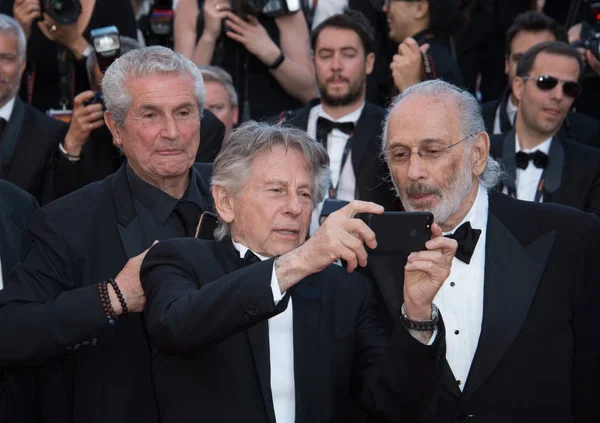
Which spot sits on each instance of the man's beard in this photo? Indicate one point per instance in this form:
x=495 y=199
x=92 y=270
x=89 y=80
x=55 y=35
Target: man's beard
x=459 y=185
x=352 y=96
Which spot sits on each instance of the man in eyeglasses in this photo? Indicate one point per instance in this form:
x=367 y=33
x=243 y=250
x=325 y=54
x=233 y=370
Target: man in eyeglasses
x=542 y=162
x=528 y=29
x=520 y=301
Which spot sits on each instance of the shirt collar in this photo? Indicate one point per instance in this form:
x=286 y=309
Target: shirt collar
x=544 y=147
x=511 y=109
x=6 y=110
x=242 y=249
x=478 y=214
x=350 y=117
x=159 y=203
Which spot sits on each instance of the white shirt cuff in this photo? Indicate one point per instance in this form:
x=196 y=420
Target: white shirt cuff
x=432 y=340
x=277 y=294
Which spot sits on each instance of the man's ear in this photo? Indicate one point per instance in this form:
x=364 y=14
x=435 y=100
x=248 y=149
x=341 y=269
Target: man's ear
x=369 y=63
x=422 y=9
x=114 y=128
x=480 y=152
x=518 y=86
x=223 y=203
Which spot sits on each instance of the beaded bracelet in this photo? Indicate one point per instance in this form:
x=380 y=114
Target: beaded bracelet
x=108 y=310
x=119 y=295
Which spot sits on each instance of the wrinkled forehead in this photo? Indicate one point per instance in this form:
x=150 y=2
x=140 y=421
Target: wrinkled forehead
x=422 y=118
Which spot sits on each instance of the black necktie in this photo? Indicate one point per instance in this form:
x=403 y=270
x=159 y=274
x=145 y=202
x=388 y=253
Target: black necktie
x=539 y=159
x=467 y=240
x=325 y=126
x=2 y=125
x=250 y=258
x=189 y=215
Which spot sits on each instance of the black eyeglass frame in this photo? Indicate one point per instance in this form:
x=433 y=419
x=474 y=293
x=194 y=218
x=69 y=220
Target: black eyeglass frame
x=570 y=88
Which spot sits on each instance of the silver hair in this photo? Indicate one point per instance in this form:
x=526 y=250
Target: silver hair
x=147 y=61
x=220 y=75
x=471 y=120
x=11 y=26
x=232 y=168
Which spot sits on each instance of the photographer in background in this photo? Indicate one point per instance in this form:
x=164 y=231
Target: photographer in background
x=423 y=28
x=268 y=57
x=58 y=52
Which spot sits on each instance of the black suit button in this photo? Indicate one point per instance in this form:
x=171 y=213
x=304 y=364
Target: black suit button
x=94 y=342
x=253 y=311
x=464 y=416
x=247 y=316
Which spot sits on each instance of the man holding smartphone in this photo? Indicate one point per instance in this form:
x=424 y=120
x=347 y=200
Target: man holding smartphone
x=523 y=344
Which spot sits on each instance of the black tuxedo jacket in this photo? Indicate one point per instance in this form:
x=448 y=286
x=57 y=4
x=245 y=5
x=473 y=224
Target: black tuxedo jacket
x=99 y=158
x=207 y=319
x=578 y=127
x=30 y=140
x=52 y=308
x=372 y=175
x=539 y=349
x=572 y=177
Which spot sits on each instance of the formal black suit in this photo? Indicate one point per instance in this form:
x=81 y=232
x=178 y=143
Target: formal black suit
x=18 y=386
x=372 y=175
x=52 y=308
x=572 y=177
x=30 y=140
x=538 y=352
x=578 y=127
x=206 y=317
x=100 y=158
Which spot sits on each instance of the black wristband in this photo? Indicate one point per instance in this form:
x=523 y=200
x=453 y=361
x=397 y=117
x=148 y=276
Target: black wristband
x=277 y=61
x=424 y=326
x=119 y=295
x=108 y=310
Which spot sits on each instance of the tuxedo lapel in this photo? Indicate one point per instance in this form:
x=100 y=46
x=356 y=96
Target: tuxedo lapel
x=366 y=131
x=512 y=274
x=10 y=244
x=11 y=134
x=509 y=160
x=556 y=163
x=307 y=314
x=258 y=336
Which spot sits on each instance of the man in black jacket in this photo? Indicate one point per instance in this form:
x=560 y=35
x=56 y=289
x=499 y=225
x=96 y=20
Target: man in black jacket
x=519 y=304
x=529 y=29
x=28 y=138
x=61 y=303
x=342 y=121
x=543 y=164
x=260 y=325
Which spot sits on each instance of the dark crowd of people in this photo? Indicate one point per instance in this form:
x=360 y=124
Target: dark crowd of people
x=362 y=211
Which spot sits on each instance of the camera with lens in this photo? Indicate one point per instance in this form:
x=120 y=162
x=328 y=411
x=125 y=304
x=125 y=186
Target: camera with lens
x=157 y=25
x=98 y=98
x=271 y=8
x=107 y=48
x=590 y=30
x=63 y=12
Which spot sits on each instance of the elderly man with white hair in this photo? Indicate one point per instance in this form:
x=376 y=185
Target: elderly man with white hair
x=77 y=297
x=519 y=303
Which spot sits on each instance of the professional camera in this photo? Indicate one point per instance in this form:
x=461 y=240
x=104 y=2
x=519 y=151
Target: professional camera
x=590 y=30
x=107 y=45
x=157 y=25
x=98 y=98
x=265 y=7
x=63 y=12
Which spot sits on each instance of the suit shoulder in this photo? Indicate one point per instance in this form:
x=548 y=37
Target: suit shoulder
x=91 y=197
x=16 y=201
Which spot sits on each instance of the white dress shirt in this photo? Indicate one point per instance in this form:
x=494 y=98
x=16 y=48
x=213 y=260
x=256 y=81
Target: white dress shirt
x=6 y=110
x=528 y=179
x=511 y=111
x=460 y=299
x=281 y=352
x=336 y=142
x=327 y=8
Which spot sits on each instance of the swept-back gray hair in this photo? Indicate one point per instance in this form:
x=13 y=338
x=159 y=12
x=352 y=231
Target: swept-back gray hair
x=11 y=26
x=232 y=168
x=143 y=62
x=220 y=75
x=471 y=120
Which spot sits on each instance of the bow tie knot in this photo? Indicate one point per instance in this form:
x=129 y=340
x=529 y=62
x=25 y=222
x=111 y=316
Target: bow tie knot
x=325 y=126
x=250 y=258
x=467 y=238
x=539 y=159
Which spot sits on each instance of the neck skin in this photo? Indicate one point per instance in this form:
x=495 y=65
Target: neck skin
x=463 y=209
x=174 y=186
x=337 y=112
x=529 y=138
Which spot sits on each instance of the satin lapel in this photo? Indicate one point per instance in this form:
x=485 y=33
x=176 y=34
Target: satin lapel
x=367 y=131
x=306 y=300
x=259 y=343
x=509 y=160
x=556 y=163
x=449 y=381
x=10 y=245
x=11 y=134
x=512 y=275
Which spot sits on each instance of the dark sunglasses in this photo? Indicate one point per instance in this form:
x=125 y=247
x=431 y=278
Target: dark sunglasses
x=547 y=83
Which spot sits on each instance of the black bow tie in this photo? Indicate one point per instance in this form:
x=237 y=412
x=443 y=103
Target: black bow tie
x=2 y=125
x=467 y=238
x=250 y=258
x=539 y=159
x=325 y=126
